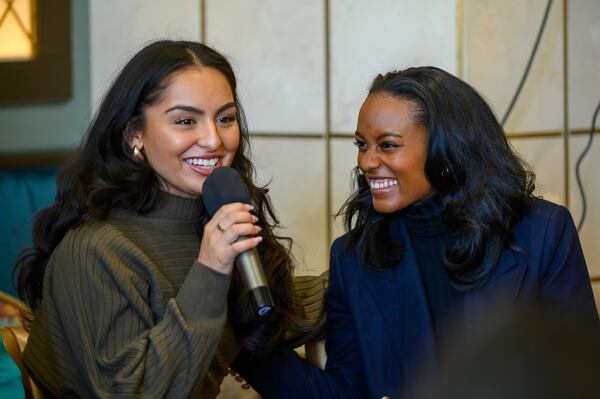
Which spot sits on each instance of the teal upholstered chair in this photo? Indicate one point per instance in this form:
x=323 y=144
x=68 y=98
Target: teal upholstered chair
x=23 y=192
x=11 y=383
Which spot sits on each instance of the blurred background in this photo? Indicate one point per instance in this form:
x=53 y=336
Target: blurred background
x=304 y=68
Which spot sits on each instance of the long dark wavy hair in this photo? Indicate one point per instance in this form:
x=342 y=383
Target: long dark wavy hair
x=485 y=187
x=103 y=175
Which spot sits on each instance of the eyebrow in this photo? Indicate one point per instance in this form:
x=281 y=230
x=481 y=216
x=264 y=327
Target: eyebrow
x=189 y=108
x=382 y=135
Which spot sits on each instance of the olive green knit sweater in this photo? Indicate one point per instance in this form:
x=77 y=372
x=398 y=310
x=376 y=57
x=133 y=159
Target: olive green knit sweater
x=128 y=312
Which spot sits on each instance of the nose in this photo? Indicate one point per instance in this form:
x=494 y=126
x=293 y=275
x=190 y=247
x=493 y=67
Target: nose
x=209 y=138
x=369 y=159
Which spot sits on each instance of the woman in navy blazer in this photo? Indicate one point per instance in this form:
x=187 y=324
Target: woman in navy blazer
x=443 y=227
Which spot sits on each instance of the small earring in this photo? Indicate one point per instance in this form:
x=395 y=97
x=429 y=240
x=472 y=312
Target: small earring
x=137 y=154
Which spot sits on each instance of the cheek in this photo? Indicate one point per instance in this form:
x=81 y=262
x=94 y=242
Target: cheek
x=231 y=142
x=164 y=143
x=359 y=160
x=411 y=174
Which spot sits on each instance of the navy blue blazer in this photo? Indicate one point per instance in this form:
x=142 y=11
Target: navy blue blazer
x=379 y=324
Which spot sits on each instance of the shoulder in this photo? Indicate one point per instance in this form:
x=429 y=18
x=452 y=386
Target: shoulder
x=544 y=230
x=340 y=246
x=339 y=243
x=89 y=245
x=344 y=259
x=92 y=236
x=541 y=208
x=542 y=216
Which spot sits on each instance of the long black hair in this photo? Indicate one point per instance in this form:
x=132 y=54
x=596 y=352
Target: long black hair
x=103 y=175
x=485 y=187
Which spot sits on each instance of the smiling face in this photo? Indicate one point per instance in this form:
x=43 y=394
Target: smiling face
x=190 y=131
x=392 y=151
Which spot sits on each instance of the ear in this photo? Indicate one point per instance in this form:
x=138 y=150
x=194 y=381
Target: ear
x=133 y=135
x=135 y=140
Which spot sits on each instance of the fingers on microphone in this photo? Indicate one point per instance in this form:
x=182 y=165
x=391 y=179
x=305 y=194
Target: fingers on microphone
x=245 y=245
x=240 y=217
x=241 y=229
x=232 y=208
x=232 y=214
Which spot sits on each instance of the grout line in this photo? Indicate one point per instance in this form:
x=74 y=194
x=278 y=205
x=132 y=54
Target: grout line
x=459 y=39
x=328 y=195
x=264 y=135
x=566 y=131
x=203 y=21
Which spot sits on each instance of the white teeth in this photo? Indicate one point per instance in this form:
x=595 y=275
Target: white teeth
x=205 y=163
x=383 y=184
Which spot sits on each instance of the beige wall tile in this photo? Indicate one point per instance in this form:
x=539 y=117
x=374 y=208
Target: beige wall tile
x=277 y=47
x=118 y=29
x=370 y=37
x=596 y=288
x=584 y=58
x=584 y=86
x=545 y=156
x=343 y=161
x=295 y=169
x=498 y=37
x=590 y=168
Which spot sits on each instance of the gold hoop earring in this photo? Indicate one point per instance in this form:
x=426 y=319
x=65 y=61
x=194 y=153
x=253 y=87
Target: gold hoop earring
x=137 y=154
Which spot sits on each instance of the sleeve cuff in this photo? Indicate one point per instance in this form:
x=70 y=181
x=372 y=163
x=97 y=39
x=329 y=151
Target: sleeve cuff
x=203 y=294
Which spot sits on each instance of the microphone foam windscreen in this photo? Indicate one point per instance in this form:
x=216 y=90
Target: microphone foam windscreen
x=224 y=186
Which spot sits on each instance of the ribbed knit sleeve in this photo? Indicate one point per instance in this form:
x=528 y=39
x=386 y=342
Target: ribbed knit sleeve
x=125 y=342
x=309 y=307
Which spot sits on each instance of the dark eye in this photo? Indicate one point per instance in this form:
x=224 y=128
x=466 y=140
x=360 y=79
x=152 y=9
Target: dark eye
x=388 y=145
x=185 y=122
x=361 y=145
x=226 y=119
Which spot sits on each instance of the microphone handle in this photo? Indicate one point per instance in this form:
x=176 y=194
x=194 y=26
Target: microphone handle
x=254 y=281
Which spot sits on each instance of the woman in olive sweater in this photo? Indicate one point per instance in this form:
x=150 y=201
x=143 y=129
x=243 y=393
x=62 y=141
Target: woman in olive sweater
x=132 y=284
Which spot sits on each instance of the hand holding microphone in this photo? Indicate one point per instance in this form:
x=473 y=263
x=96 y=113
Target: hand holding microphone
x=229 y=232
x=227 y=200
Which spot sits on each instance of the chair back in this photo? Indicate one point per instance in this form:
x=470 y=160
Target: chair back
x=15 y=339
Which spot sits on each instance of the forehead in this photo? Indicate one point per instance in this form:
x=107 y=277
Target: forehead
x=197 y=84
x=384 y=111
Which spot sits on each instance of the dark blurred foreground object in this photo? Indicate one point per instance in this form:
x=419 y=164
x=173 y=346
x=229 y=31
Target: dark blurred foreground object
x=527 y=354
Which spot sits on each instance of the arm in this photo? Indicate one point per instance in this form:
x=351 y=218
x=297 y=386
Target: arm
x=565 y=282
x=123 y=345
x=283 y=373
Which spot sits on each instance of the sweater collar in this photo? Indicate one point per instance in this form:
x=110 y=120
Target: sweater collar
x=426 y=216
x=168 y=206
x=173 y=207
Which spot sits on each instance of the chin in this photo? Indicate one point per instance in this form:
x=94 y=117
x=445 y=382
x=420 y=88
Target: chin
x=387 y=207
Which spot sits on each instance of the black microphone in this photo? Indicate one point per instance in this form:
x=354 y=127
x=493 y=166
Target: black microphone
x=224 y=186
